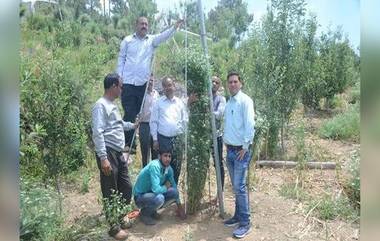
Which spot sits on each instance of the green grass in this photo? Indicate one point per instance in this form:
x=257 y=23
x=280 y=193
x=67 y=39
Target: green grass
x=344 y=126
x=291 y=191
x=331 y=208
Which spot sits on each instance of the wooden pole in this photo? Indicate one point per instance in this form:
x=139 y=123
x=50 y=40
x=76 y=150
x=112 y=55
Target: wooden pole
x=293 y=164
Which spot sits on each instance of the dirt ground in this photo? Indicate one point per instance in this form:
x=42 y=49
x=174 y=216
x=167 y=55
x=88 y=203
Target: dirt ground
x=273 y=216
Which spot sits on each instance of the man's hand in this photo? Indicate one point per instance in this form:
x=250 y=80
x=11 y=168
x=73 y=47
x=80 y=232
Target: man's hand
x=167 y=184
x=155 y=145
x=241 y=154
x=106 y=167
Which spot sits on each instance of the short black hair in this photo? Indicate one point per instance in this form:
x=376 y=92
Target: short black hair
x=231 y=73
x=164 y=150
x=110 y=80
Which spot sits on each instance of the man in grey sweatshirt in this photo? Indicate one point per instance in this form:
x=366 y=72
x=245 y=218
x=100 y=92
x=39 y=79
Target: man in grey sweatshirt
x=108 y=137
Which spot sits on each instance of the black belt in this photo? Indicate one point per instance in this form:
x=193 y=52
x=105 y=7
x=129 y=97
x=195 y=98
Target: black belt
x=235 y=148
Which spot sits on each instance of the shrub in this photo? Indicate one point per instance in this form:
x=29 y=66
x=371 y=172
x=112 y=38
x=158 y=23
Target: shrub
x=115 y=207
x=53 y=100
x=39 y=211
x=352 y=185
x=344 y=126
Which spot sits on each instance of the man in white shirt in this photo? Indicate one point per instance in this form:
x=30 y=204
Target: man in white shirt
x=167 y=122
x=146 y=141
x=134 y=66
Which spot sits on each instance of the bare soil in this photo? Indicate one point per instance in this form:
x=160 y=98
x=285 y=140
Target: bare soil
x=273 y=216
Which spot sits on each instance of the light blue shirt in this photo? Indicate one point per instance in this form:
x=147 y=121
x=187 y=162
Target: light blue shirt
x=239 y=121
x=136 y=55
x=152 y=178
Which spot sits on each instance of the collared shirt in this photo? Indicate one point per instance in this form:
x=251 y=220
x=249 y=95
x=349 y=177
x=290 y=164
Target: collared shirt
x=150 y=100
x=169 y=117
x=219 y=106
x=152 y=178
x=136 y=55
x=239 y=121
x=108 y=127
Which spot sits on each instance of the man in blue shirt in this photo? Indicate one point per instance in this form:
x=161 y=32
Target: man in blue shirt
x=134 y=66
x=155 y=187
x=238 y=136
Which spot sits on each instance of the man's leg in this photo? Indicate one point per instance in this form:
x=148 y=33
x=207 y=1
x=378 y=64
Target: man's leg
x=131 y=99
x=154 y=153
x=128 y=101
x=144 y=136
x=109 y=183
x=124 y=182
x=149 y=203
x=220 y=148
x=230 y=161
x=241 y=195
x=220 y=152
x=170 y=196
x=178 y=144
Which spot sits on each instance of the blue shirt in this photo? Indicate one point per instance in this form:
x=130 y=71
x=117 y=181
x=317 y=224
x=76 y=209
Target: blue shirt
x=152 y=178
x=136 y=55
x=239 y=121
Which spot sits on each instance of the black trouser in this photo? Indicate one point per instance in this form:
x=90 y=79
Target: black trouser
x=220 y=151
x=131 y=100
x=175 y=146
x=146 y=144
x=119 y=180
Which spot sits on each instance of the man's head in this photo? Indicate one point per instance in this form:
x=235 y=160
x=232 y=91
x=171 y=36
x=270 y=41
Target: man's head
x=113 y=85
x=168 y=87
x=165 y=157
x=215 y=84
x=142 y=26
x=234 y=82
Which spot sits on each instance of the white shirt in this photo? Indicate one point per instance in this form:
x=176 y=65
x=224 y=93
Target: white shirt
x=136 y=55
x=150 y=99
x=169 y=117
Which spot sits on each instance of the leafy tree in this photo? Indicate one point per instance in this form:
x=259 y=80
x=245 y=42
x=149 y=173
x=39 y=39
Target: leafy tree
x=312 y=89
x=52 y=100
x=199 y=127
x=337 y=63
x=119 y=7
x=277 y=78
x=230 y=19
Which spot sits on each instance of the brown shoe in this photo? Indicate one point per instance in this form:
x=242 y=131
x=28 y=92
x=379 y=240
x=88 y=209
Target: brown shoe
x=121 y=235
